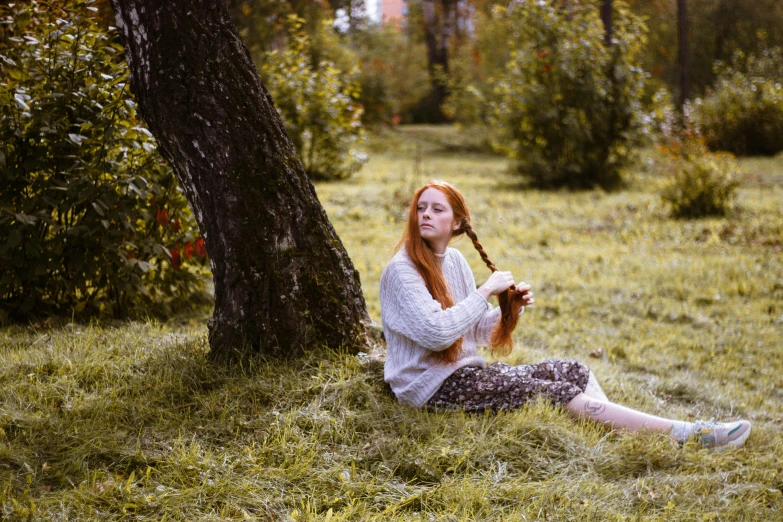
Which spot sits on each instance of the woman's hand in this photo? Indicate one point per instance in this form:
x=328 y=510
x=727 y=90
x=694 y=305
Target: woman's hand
x=524 y=289
x=497 y=283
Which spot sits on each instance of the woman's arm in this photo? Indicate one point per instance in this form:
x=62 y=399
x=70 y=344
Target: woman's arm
x=409 y=309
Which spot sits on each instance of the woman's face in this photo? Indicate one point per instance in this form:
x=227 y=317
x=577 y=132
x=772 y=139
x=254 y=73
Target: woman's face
x=436 y=218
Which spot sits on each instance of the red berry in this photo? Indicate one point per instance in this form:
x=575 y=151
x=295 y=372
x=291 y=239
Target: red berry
x=175 y=259
x=162 y=217
x=201 y=249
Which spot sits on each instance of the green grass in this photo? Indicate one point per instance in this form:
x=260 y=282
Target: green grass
x=129 y=421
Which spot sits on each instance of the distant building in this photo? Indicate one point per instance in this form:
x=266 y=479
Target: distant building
x=391 y=11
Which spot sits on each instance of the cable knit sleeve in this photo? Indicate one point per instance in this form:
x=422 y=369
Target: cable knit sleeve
x=483 y=330
x=409 y=309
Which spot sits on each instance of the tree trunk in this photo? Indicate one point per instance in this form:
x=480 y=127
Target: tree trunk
x=283 y=280
x=606 y=17
x=437 y=35
x=685 y=66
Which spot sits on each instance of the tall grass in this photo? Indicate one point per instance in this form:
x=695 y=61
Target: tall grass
x=130 y=421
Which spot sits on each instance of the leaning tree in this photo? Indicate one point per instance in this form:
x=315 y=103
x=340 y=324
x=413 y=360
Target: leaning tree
x=283 y=280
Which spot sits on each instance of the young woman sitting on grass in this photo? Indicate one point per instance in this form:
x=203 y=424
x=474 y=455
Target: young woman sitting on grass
x=434 y=317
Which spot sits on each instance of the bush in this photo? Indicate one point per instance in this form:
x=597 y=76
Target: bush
x=666 y=121
x=701 y=183
x=568 y=108
x=743 y=113
x=91 y=217
x=318 y=107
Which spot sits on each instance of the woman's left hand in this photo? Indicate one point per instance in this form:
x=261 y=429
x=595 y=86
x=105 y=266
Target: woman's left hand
x=524 y=289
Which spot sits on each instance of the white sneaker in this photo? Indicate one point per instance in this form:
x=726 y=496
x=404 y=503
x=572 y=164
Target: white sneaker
x=721 y=434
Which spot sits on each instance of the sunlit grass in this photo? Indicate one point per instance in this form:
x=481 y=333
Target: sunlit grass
x=131 y=422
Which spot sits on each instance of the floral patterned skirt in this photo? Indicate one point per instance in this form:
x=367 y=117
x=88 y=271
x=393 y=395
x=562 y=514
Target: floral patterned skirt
x=501 y=386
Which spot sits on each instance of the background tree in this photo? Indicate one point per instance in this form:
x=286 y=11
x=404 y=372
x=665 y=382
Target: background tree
x=282 y=277
x=606 y=17
x=568 y=108
x=683 y=52
x=716 y=29
x=392 y=74
x=440 y=24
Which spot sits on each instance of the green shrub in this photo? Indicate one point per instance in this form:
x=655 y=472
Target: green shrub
x=700 y=183
x=91 y=217
x=568 y=108
x=743 y=113
x=665 y=119
x=318 y=106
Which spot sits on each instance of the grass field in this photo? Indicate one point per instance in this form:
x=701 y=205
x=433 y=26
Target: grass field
x=128 y=421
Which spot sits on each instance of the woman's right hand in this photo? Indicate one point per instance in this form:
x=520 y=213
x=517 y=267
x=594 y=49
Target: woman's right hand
x=497 y=283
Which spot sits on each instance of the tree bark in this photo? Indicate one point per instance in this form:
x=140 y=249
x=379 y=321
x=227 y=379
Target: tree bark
x=283 y=280
x=437 y=35
x=684 y=55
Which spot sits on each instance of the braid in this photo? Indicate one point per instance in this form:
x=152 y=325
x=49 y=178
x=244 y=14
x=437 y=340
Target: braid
x=473 y=237
x=510 y=302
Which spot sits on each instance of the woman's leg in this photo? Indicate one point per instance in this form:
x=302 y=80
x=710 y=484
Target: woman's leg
x=712 y=434
x=585 y=406
x=503 y=387
x=593 y=389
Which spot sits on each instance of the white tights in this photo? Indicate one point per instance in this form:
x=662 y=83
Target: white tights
x=594 y=405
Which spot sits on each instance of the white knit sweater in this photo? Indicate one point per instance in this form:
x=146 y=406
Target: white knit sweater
x=414 y=325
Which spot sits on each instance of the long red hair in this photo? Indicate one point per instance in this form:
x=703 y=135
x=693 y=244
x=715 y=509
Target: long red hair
x=427 y=264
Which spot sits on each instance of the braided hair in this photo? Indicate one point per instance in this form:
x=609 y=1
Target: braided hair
x=428 y=267
x=510 y=301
